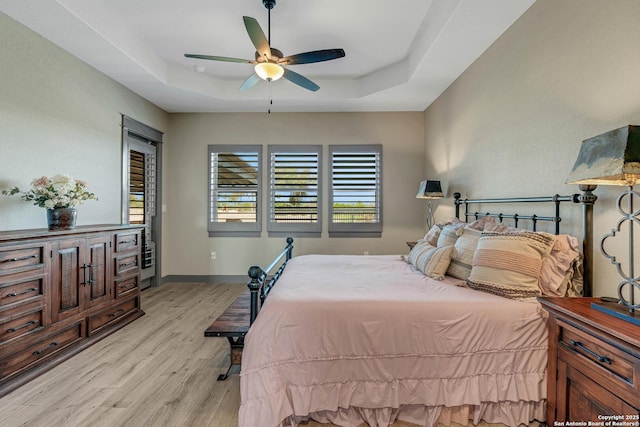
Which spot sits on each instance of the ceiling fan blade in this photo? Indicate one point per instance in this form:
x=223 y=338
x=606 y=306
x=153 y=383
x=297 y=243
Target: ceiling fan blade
x=300 y=80
x=250 y=82
x=311 y=57
x=218 y=58
x=257 y=36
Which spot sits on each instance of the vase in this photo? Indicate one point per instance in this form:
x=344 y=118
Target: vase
x=61 y=218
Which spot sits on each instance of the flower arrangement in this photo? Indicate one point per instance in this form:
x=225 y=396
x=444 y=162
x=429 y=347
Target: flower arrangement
x=59 y=191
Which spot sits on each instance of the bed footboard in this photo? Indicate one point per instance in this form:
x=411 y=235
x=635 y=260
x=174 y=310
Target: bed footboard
x=260 y=282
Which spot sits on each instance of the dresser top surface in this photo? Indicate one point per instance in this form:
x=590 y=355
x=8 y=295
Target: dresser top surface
x=34 y=233
x=579 y=309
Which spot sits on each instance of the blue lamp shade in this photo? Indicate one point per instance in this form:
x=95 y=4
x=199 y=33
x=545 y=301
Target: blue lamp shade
x=429 y=190
x=612 y=158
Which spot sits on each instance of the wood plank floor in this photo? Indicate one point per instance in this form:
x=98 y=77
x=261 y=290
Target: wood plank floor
x=157 y=371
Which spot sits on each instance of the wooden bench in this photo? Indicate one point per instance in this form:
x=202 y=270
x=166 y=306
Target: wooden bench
x=233 y=323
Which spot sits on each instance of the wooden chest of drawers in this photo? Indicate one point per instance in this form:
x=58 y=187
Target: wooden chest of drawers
x=594 y=365
x=61 y=291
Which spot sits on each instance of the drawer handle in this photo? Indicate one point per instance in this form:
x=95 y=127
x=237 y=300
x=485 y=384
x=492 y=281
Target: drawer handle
x=23 y=258
x=26 y=291
x=127 y=264
x=601 y=359
x=126 y=241
x=39 y=352
x=29 y=323
x=117 y=313
x=128 y=286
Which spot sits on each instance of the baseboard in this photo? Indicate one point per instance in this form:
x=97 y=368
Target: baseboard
x=216 y=278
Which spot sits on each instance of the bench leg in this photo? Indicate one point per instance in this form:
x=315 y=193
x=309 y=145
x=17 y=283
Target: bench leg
x=224 y=376
x=235 y=345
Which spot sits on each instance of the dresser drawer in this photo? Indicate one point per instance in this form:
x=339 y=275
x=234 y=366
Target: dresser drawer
x=127 y=242
x=600 y=360
x=111 y=315
x=19 y=259
x=127 y=286
x=126 y=264
x=21 y=287
x=16 y=324
x=41 y=349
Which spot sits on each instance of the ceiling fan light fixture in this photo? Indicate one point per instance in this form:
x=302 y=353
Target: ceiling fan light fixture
x=269 y=71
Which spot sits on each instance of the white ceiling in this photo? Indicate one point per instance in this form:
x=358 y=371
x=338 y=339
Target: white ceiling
x=400 y=54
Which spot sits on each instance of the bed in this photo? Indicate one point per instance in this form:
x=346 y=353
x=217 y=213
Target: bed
x=373 y=339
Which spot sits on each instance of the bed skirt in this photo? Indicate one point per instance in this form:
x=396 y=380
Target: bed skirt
x=506 y=413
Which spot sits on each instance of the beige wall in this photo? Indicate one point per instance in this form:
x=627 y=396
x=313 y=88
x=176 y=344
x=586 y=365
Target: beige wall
x=512 y=124
x=58 y=115
x=188 y=249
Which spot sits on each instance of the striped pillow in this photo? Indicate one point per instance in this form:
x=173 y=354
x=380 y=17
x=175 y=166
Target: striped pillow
x=509 y=264
x=450 y=234
x=462 y=255
x=432 y=261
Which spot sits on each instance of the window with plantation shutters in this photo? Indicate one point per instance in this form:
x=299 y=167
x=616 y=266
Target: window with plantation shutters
x=356 y=191
x=294 y=190
x=235 y=190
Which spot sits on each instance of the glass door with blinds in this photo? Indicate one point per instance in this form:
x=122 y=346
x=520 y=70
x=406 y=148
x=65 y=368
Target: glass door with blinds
x=139 y=198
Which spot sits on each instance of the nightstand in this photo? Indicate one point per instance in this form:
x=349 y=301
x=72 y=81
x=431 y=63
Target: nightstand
x=593 y=366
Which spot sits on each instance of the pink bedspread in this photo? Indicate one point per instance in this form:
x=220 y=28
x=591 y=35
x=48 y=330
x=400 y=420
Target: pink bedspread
x=353 y=339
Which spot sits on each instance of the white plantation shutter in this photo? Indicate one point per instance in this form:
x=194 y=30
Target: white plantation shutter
x=294 y=190
x=234 y=190
x=356 y=190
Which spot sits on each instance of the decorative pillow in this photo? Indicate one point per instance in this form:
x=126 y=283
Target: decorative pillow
x=573 y=285
x=462 y=255
x=482 y=223
x=450 y=234
x=498 y=227
x=432 y=261
x=432 y=235
x=509 y=264
x=560 y=270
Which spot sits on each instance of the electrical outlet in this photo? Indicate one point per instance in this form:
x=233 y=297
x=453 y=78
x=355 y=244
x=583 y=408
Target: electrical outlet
x=213 y=255
x=366 y=252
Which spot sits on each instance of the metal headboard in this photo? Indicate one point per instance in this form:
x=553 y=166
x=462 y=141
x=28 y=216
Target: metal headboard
x=586 y=198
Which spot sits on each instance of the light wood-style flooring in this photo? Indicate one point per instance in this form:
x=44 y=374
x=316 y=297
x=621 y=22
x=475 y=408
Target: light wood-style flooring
x=157 y=371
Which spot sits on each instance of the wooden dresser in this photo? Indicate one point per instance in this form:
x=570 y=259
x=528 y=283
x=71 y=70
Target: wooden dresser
x=594 y=365
x=60 y=292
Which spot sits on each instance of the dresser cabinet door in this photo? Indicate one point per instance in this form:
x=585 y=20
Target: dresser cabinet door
x=67 y=290
x=97 y=271
x=582 y=399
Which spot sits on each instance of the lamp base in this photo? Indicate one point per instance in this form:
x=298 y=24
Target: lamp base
x=618 y=310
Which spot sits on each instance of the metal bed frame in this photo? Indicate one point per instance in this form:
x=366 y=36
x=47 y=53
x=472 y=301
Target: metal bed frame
x=260 y=283
x=586 y=199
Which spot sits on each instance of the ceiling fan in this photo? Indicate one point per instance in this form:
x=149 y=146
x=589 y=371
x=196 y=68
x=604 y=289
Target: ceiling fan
x=270 y=62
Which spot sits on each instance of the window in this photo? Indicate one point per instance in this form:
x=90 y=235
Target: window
x=294 y=190
x=234 y=190
x=356 y=191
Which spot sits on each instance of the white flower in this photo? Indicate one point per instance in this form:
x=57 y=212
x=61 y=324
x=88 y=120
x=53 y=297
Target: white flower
x=59 y=191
